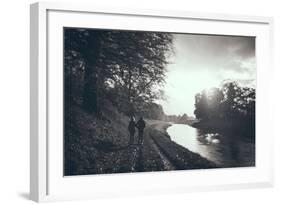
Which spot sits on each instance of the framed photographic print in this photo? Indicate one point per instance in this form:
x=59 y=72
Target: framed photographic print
x=128 y=101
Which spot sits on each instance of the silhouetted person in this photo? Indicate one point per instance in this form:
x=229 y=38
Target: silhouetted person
x=132 y=129
x=140 y=125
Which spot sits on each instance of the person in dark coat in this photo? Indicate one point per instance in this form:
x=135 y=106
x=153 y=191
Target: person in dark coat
x=132 y=129
x=140 y=125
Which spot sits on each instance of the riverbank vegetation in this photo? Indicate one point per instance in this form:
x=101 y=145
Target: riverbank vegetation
x=229 y=108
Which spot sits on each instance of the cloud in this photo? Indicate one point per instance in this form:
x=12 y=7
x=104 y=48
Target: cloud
x=213 y=52
x=246 y=48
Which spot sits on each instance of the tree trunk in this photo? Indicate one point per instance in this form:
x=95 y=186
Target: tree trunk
x=91 y=85
x=90 y=97
x=131 y=107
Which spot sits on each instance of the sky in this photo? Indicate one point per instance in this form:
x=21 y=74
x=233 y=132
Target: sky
x=204 y=61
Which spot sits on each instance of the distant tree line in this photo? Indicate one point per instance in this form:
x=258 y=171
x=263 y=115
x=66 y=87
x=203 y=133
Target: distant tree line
x=152 y=111
x=120 y=67
x=231 y=105
x=181 y=119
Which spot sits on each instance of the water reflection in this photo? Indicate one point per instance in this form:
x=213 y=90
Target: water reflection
x=226 y=150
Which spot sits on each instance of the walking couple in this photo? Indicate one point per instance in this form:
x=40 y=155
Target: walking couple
x=140 y=125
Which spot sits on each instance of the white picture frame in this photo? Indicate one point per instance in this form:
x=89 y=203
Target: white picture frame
x=47 y=182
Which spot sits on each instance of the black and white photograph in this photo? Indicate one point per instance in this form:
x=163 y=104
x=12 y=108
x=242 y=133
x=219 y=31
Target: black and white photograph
x=145 y=101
